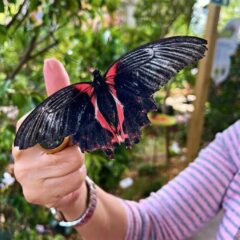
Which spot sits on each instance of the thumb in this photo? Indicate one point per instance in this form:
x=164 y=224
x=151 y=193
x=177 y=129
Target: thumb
x=55 y=76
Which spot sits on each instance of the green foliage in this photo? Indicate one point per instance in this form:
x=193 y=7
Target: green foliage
x=140 y=189
x=174 y=15
x=229 y=12
x=108 y=172
x=147 y=170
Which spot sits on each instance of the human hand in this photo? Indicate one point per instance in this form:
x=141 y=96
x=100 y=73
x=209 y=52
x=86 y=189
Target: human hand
x=52 y=180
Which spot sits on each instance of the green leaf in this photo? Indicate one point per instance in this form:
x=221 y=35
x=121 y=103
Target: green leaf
x=3 y=34
x=34 y=5
x=12 y=1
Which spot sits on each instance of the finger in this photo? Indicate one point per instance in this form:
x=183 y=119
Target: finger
x=62 y=186
x=55 y=75
x=35 y=152
x=62 y=163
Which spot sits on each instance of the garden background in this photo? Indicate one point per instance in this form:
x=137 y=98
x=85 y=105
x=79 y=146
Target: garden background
x=82 y=35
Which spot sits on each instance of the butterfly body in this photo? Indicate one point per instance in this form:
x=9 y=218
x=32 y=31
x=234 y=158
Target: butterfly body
x=98 y=80
x=112 y=109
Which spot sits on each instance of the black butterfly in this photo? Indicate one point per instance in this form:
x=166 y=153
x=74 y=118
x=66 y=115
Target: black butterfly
x=112 y=108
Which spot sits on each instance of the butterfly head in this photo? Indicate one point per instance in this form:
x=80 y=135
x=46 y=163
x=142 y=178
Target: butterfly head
x=97 y=77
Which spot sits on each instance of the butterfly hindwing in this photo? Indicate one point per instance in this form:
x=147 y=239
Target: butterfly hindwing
x=91 y=135
x=135 y=113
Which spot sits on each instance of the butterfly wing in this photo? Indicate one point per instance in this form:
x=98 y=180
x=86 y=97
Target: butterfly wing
x=68 y=112
x=58 y=116
x=137 y=75
x=144 y=70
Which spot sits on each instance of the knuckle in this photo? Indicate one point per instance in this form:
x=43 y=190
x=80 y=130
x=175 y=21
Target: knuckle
x=78 y=182
x=77 y=156
x=30 y=196
x=57 y=194
x=52 y=160
x=19 y=171
x=16 y=153
x=79 y=178
x=51 y=190
x=80 y=156
x=82 y=177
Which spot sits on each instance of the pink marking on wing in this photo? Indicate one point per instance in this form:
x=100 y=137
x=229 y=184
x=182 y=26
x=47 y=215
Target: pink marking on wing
x=122 y=136
x=119 y=138
x=85 y=87
x=111 y=74
x=119 y=109
x=100 y=117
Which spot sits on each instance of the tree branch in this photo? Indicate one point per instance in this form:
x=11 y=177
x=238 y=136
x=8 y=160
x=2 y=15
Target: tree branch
x=29 y=56
x=43 y=50
x=21 y=21
x=14 y=18
x=50 y=33
x=24 y=58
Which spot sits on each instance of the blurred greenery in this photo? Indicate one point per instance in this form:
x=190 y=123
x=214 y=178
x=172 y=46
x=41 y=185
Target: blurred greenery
x=83 y=35
x=223 y=107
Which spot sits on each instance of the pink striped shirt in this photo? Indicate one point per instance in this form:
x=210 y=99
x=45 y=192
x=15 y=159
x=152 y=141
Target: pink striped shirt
x=194 y=197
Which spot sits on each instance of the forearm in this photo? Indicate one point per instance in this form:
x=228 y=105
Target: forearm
x=109 y=218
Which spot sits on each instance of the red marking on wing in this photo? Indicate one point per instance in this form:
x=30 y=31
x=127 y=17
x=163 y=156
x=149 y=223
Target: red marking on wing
x=85 y=87
x=111 y=74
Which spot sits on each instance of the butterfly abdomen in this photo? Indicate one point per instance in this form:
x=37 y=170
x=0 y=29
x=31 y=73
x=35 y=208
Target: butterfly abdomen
x=109 y=112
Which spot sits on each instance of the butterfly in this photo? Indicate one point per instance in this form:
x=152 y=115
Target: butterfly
x=112 y=109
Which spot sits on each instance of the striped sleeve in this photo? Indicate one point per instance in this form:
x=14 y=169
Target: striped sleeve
x=194 y=197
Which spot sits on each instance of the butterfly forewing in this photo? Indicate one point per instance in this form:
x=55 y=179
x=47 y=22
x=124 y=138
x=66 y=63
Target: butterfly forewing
x=164 y=59
x=58 y=116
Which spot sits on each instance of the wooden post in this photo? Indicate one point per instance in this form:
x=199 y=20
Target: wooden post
x=202 y=84
x=167 y=145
